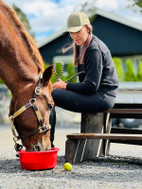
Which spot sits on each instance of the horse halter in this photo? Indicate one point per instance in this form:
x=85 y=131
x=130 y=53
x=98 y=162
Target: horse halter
x=32 y=103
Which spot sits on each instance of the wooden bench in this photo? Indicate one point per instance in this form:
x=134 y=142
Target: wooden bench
x=97 y=132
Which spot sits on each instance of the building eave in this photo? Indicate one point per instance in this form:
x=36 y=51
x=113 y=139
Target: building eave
x=102 y=13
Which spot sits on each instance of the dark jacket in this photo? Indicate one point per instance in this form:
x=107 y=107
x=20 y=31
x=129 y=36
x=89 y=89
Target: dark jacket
x=100 y=73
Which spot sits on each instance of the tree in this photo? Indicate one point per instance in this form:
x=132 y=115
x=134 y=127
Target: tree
x=139 y=74
x=136 y=4
x=129 y=74
x=119 y=68
x=22 y=16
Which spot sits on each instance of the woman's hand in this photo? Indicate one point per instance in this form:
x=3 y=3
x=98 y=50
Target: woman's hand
x=60 y=85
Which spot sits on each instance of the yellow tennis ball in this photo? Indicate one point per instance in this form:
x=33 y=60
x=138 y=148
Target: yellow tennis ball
x=67 y=166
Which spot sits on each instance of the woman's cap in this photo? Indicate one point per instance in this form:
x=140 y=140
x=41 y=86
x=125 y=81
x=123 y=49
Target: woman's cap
x=76 y=21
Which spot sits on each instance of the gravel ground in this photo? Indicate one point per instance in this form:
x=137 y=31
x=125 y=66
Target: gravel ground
x=122 y=169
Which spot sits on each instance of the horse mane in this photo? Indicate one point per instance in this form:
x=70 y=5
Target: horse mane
x=24 y=35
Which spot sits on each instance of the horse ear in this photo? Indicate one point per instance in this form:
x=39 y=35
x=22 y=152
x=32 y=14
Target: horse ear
x=47 y=74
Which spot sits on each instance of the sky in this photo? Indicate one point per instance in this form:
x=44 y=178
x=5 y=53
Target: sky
x=49 y=16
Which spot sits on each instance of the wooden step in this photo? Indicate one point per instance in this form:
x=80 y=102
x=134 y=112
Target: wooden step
x=105 y=136
x=124 y=111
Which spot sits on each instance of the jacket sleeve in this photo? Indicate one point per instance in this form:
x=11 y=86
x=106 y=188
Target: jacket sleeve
x=93 y=73
x=82 y=75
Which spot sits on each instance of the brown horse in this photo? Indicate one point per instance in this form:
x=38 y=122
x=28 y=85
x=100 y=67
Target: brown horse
x=21 y=67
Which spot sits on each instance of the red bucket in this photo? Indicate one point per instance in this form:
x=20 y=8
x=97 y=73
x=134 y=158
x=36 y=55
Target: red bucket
x=38 y=160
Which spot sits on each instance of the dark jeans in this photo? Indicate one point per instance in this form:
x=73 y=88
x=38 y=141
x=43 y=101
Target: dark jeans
x=77 y=102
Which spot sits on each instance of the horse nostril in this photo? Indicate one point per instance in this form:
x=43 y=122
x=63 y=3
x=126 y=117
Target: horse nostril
x=37 y=148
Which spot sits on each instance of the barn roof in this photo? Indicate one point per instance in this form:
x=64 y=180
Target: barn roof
x=102 y=13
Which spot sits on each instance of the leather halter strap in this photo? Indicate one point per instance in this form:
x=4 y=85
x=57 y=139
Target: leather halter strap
x=32 y=103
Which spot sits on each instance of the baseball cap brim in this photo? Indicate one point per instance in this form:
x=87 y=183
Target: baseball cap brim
x=74 y=29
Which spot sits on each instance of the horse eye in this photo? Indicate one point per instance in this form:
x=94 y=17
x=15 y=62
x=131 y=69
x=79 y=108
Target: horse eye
x=50 y=106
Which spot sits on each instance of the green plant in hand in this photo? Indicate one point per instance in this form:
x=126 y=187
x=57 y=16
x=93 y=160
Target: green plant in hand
x=71 y=72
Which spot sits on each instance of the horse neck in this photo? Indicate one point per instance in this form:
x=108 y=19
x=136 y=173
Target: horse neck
x=17 y=77
x=18 y=69
x=20 y=60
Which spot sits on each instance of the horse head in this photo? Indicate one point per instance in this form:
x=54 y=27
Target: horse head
x=30 y=111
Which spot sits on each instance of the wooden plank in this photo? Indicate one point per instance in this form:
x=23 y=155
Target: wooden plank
x=125 y=111
x=126 y=131
x=104 y=136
